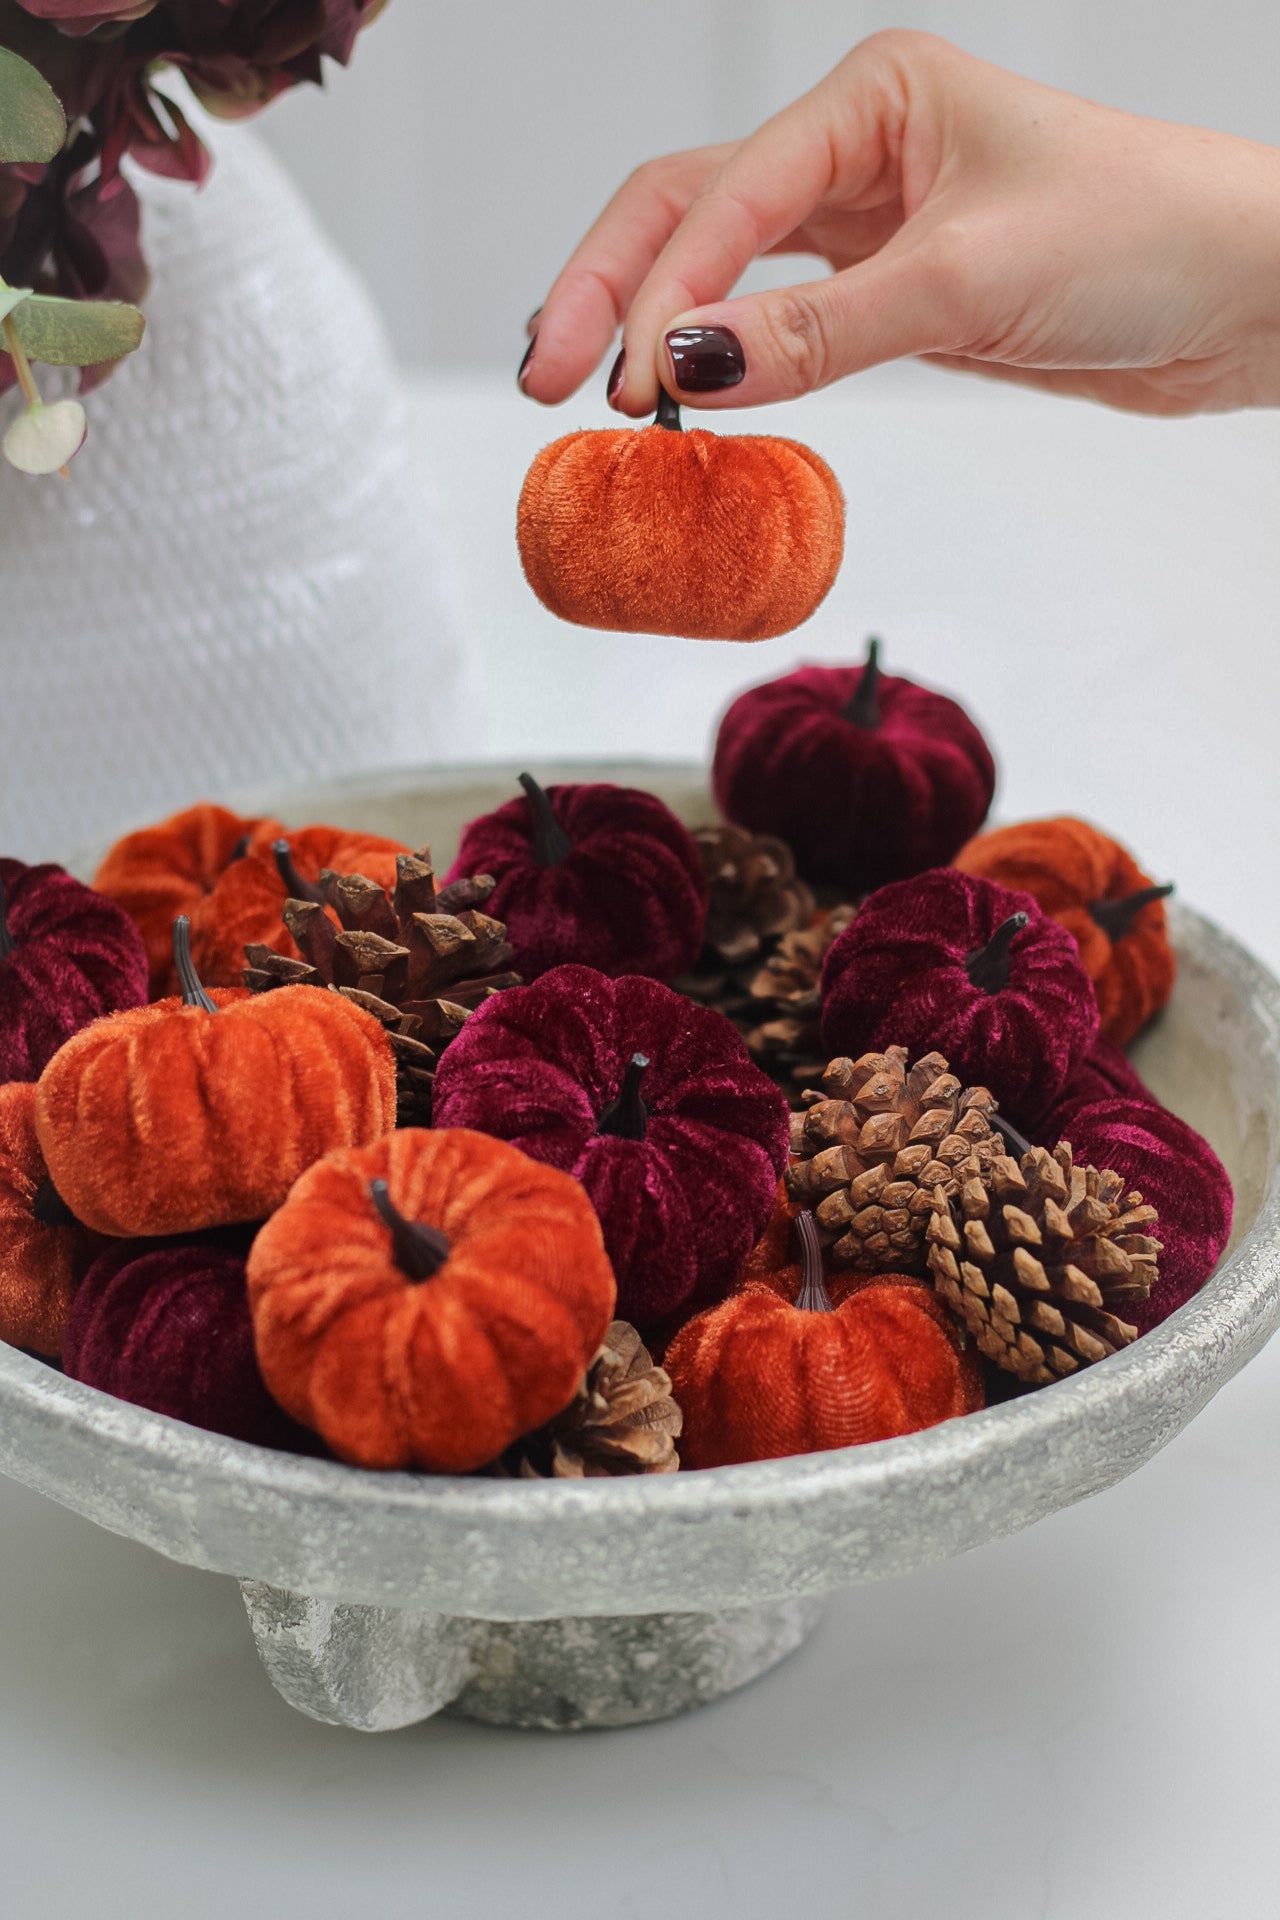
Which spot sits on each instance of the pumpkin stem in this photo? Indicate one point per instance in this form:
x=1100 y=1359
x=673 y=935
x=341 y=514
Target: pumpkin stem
x=193 y=992
x=668 y=414
x=627 y=1117
x=49 y=1207
x=813 y=1296
x=6 y=938
x=988 y=968
x=551 y=844
x=240 y=848
x=1018 y=1141
x=1115 y=917
x=420 y=1251
x=294 y=885
x=862 y=708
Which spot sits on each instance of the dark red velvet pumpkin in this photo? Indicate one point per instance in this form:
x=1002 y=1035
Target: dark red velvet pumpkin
x=1105 y=1072
x=68 y=955
x=951 y=964
x=867 y=777
x=651 y=1102
x=598 y=875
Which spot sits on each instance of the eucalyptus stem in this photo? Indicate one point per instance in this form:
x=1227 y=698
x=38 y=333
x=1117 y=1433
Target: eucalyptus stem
x=21 y=365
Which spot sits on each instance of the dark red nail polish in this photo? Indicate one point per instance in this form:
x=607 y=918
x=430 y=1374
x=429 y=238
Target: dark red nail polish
x=524 y=364
x=706 y=359
x=616 y=374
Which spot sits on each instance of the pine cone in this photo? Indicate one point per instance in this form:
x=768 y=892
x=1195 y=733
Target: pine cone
x=1034 y=1257
x=877 y=1145
x=756 y=895
x=417 y=959
x=621 y=1420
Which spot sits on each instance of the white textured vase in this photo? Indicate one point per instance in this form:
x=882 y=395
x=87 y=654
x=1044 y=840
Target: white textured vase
x=240 y=582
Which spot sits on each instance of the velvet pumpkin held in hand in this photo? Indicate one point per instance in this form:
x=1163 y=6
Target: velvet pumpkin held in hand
x=956 y=965
x=867 y=777
x=599 y=875
x=43 y=1250
x=202 y=1112
x=1096 y=889
x=67 y=956
x=169 y=868
x=714 y=536
x=651 y=1102
x=425 y=1301
x=777 y=1369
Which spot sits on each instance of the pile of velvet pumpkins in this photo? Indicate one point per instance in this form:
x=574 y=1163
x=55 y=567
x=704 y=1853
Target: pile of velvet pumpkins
x=301 y=1143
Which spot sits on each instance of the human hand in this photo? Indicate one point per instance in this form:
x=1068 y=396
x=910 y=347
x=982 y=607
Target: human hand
x=973 y=218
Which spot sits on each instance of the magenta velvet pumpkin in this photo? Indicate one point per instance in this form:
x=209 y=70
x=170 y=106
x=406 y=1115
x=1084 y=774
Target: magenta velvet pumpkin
x=1106 y=1071
x=67 y=956
x=651 y=1102
x=1174 y=1169
x=867 y=777
x=598 y=875
x=950 y=964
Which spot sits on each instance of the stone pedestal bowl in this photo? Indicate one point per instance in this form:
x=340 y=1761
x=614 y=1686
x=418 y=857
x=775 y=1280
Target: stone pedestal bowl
x=377 y=1599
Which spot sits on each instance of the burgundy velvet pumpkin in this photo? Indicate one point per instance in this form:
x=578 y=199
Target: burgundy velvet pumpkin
x=951 y=964
x=166 y=1325
x=1105 y=1072
x=598 y=875
x=67 y=956
x=867 y=777
x=1174 y=1169
x=651 y=1102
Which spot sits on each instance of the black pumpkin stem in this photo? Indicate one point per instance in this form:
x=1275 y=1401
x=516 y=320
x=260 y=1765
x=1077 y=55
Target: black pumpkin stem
x=988 y=968
x=1018 y=1141
x=193 y=990
x=49 y=1207
x=294 y=885
x=862 y=708
x=6 y=938
x=1115 y=917
x=240 y=848
x=420 y=1251
x=813 y=1296
x=668 y=414
x=551 y=844
x=627 y=1117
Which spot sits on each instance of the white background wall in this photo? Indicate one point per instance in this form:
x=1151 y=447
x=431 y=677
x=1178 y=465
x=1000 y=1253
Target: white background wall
x=469 y=145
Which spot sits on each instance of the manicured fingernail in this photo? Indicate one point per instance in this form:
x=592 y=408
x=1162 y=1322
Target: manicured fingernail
x=524 y=364
x=531 y=323
x=616 y=373
x=706 y=359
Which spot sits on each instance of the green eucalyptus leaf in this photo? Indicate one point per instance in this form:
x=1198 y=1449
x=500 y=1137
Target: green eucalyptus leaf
x=77 y=333
x=11 y=297
x=33 y=126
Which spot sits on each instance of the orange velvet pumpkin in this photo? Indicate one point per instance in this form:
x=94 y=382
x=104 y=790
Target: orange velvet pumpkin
x=778 y=1369
x=426 y=1301
x=203 y=1111
x=43 y=1250
x=1089 y=883
x=167 y=869
x=658 y=530
x=245 y=907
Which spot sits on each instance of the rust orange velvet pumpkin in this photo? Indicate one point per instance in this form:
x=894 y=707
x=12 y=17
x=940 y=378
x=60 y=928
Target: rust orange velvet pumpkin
x=42 y=1248
x=203 y=1111
x=167 y=869
x=426 y=1301
x=1115 y=914
x=657 y=530
x=777 y=1369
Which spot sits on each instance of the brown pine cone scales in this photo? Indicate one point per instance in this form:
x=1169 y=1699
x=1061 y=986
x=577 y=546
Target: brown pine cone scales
x=756 y=894
x=876 y=1147
x=621 y=1420
x=1033 y=1258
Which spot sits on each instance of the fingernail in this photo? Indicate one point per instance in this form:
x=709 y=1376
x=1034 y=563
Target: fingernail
x=532 y=321
x=706 y=359
x=524 y=364
x=616 y=373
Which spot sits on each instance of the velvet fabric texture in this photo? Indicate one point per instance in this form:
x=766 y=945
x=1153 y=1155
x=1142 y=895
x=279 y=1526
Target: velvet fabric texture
x=859 y=805
x=167 y=1326
x=169 y=1119
x=713 y=536
x=627 y=894
x=898 y=976
x=1174 y=1169
x=246 y=904
x=167 y=869
x=1077 y=874
x=681 y=1205
x=1107 y=1071
x=442 y=1369
x=67 y=956
x=39 y=1263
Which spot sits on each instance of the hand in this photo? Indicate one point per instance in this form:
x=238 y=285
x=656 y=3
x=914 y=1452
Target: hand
x=971 y=217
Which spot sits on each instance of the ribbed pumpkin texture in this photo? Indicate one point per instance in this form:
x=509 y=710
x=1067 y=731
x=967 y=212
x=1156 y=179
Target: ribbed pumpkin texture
x=38 y=1261
x=657 y=530
x=442 y=1368
x=67 y=956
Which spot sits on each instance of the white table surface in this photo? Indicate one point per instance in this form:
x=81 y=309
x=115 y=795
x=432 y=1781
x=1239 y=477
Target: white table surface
x=1082 y=1721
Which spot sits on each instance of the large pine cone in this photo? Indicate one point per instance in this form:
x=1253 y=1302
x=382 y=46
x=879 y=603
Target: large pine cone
x=621 y=1420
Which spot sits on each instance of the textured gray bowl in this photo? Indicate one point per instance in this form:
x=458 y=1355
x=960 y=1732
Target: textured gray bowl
x=379 y=1599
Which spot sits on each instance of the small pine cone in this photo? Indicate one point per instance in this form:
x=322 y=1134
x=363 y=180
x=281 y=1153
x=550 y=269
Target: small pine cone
x=1034 y=1257
x=621 y=1420
x=781 y=1024
x=877 y=1144
x=756 y=894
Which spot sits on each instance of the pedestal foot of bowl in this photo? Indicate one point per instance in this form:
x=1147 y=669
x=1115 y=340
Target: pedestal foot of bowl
x=377 y=1668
